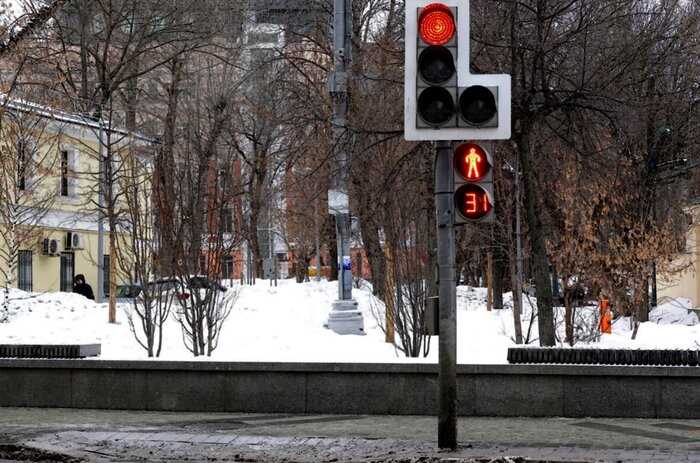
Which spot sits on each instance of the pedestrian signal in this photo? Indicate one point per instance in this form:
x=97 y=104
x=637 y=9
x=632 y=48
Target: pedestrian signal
x=473 y=176
x=471 y=162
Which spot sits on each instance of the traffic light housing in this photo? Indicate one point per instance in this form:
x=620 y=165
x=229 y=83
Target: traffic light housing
x=443 y=100
x=473 y=179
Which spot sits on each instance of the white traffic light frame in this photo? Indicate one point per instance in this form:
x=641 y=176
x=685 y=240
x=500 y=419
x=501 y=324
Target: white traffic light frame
x=412 y=131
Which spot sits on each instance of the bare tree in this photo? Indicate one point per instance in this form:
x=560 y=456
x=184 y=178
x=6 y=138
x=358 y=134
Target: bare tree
x=97 y=52
x=205 y=229
x=152 y=297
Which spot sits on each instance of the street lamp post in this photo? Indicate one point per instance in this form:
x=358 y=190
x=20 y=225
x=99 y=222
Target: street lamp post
x=345 y=317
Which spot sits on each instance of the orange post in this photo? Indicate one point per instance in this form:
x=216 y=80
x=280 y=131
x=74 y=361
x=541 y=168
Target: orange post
x=605 y=317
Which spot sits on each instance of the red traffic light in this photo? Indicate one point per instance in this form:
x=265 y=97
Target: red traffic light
x=471 y=162
x=472 y=201
x=436 y=24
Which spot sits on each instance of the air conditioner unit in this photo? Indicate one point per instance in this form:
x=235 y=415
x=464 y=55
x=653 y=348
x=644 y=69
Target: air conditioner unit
x=74 y=241
x=51 y=247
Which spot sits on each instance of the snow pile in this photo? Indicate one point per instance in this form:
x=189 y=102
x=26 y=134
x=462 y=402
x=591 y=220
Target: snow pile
x=54 y=318
x=674 y=312
x=285 y=324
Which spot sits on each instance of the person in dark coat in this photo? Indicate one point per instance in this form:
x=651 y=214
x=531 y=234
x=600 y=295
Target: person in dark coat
x=81 y=287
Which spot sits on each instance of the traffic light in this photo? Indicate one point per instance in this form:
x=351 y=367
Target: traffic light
x=436 y=88
x=473 y=177
x=443 y=100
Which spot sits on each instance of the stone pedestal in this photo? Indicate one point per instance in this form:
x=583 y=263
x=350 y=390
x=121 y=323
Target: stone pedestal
x=346 y=318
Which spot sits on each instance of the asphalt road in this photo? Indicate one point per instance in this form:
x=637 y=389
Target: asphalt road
x=125 y=436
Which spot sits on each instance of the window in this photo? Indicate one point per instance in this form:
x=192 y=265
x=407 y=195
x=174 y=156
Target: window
x=202 y=265
x=24 y=270
x=64 y=173
x=158 y=23
x=227 y=219
x=67 y=272
x=227 y=267
x=105 y=276
x=22 y=159
x=223 y=179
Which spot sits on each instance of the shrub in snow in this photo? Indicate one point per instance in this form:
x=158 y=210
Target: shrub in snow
x=401 y=308
x=5 y=309
x=148 y=311
x=203 y=307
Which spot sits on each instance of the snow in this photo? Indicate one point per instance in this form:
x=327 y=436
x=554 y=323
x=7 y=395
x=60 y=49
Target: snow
x=285 y=324
x=48 y=112
x=676 y=311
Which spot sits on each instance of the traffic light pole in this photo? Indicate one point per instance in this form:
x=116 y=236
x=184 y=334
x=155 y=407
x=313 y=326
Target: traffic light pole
x=444 y=205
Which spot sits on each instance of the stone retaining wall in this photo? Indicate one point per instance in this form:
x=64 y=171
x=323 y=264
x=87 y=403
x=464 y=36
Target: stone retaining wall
x=401 y=389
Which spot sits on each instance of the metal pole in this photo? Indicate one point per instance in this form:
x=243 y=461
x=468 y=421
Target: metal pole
x=269 y=233
x=345 y=318
x=654 y=292
x=518 y=240
x=444 y=202
x=342 y=48
x=100 y=216
x=318 y=241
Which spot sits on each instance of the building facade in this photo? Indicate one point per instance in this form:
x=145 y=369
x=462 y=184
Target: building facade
x=686 y=284
x=49 y=170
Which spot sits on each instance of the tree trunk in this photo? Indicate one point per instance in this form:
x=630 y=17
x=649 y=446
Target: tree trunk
x=332 y=248
x=255 y=242
x=539 y=261
x=164 y=182
x=112 y=274
x=389 y=291
x=643 y=307
x=497 y=276
x=489 y=280
x=517 y=302
x=568 y=316
x=300 y=269
x=373 y=249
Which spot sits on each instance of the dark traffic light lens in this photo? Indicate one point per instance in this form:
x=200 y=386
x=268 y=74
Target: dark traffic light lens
x=477 y=105
x=472 y=201
x=436 y=106
x=436 y=65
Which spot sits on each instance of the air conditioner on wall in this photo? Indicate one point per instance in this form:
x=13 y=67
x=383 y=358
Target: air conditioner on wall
x=75 y=241
x=51 y=247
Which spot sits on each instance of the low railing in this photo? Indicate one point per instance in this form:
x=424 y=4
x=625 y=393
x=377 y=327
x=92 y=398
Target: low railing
x=49 y=351
x=584 y=356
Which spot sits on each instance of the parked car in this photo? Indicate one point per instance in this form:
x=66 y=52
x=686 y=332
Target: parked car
x=128 y=293
x=199 y=282
x=202 y=282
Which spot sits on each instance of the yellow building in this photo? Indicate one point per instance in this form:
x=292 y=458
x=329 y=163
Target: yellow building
x=49 y=194
x=687 y=283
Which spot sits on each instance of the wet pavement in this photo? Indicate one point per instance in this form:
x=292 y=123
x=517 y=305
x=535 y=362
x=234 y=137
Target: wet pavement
x=125 y=436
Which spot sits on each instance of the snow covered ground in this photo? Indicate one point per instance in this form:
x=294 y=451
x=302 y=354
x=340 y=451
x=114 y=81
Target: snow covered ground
x=285 y=323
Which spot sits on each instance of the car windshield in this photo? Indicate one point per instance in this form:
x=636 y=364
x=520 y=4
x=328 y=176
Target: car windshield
x=128 y=291
x=199 y=282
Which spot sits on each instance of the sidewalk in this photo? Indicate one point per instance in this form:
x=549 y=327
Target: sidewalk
x=103 y=436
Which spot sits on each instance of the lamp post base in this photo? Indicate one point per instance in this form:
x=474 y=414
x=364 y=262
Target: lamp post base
x=346 y=318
